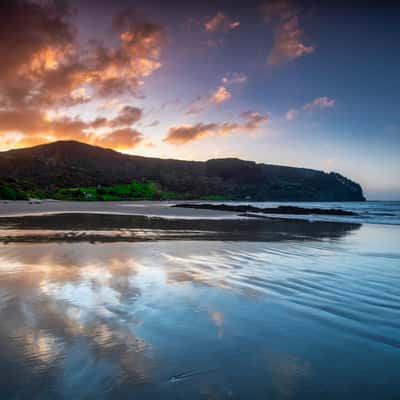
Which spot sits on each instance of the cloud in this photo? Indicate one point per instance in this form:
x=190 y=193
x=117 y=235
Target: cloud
x=220 y=22
x=118 y=71
x=235 y=78
x=99 y=122
x=218 y=96
x=253 y=120
x=320 y=102
x=44 y=64
x=33 y=36
x=186 y=133
x=44 y=67
x=35 y=39
x=127 y=116
x=292 y=114
x=288 y=35
x=31 y=127
x=179 y=135
x=221 y=95
x=120 y=139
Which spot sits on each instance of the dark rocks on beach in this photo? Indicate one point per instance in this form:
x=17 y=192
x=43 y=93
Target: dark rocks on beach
x=290 y=210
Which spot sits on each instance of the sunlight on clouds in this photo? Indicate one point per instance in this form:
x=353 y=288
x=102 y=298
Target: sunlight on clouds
x=251 y=122
x=288 y=44
x=220 y=22
x=220 y=95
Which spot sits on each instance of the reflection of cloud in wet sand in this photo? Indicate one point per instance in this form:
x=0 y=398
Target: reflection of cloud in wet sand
x=287 y=373
x=218 y=319
x=56 y=311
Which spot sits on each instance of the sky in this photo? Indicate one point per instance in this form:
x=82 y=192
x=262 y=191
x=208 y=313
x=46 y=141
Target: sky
x=288 y=82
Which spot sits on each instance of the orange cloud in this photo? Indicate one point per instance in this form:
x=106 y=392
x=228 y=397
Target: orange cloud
x=220 y=22
x=44 y=65
x=220 y=95
x=33 y=127
x=183 y=134
x=186 y=133
x=120 y=139
x=288 y=36
x=117 y=71
x=215 y=97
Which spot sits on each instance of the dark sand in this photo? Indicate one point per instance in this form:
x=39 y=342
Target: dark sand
x=114 y=227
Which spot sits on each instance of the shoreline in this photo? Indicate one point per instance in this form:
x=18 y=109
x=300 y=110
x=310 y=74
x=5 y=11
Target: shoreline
x=22 y=208
x=195 y=211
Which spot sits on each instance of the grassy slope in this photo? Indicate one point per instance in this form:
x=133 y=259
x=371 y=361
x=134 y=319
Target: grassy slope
x=18 y=190
x=129 y=191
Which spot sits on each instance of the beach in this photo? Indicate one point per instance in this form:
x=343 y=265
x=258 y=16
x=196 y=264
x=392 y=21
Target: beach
x=147 y=208
x=103 y=300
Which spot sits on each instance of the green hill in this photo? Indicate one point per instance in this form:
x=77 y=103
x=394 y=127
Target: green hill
x=74 y=170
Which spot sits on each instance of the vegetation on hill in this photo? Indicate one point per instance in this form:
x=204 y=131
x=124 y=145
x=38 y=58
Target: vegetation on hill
x=69 y=169
x=129 y=191
x=11 y=189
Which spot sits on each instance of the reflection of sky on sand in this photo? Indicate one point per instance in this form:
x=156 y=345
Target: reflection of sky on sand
x=200 y=319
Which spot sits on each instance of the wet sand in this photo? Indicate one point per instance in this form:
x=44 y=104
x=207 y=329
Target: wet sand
x=315 y=317
x=94 y=227
x=148 y=208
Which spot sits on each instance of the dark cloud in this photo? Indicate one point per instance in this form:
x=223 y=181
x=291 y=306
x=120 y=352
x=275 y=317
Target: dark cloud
x=127 y=116
x=186 y=133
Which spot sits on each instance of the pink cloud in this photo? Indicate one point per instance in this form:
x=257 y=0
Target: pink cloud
x=288 y=36
x=320 y=102
x=220 y=22
x=251 y=121
x=292 y=114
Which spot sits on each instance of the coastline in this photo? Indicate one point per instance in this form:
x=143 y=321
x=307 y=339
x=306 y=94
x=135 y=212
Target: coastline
x=381 y=213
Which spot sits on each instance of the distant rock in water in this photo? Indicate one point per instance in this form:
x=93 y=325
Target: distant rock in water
x=288 y=210
x=69 y=164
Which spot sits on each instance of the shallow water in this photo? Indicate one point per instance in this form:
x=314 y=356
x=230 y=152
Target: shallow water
x=371 y=212
x=312 y=317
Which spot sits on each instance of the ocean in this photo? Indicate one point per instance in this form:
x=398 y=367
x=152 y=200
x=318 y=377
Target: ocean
x=371 y=212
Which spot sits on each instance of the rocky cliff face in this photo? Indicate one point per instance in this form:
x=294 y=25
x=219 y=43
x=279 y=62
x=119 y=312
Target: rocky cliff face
x=72 y=164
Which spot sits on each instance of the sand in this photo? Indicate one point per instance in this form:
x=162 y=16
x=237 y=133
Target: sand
x=147 y=208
